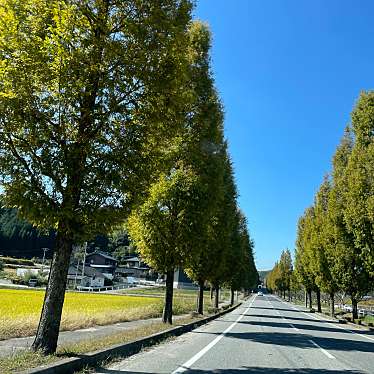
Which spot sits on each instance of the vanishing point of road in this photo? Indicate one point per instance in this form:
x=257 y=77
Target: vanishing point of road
x=264 y=335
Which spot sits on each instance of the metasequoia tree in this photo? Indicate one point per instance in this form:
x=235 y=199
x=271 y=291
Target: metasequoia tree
x=88 y=95
x=348 y=263
x=303 y=270
x=322 y=259
x=196 y=155
x=359 y=210
x=240 y=266
x=203 y=150
x=164 y=226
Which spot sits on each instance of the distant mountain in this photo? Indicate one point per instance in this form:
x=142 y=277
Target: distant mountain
x=263 y=274
x=19 y=238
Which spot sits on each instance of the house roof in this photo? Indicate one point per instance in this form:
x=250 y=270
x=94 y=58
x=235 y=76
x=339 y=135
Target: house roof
x=103 y=254
x=132 y=259
x=88 y=271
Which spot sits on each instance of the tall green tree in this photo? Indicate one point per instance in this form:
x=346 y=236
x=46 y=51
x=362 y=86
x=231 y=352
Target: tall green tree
x=359 y=210
x=88 y=96
x=303 y=270
x=348 y=264
x=321 y=251
x=285 y=270
x=164 y=226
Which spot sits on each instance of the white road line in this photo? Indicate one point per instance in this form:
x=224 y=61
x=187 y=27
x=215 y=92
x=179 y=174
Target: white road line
x=294 y=327
x=340 y=327
x=323 y=350
x=192 y=360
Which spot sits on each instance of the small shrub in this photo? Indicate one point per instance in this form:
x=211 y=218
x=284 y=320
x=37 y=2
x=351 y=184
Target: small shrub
x=17 y=261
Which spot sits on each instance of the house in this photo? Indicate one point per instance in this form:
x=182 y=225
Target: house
x=136 y=272
x=102 y=262
x=132 y=262
x=181 y=280
x=90 y=278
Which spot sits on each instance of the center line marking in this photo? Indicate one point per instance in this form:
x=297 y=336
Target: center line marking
x=323 y=350
x=184 y=367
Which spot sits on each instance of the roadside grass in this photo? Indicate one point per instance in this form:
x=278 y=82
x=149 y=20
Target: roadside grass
x=27 y=359
x=20 y=310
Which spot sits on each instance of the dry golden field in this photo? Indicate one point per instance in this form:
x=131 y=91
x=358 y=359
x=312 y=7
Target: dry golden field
x=20 y=310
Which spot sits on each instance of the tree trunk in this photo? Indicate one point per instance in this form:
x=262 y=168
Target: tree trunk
x=232 y=297
x=306 y=299
x=167 y=315
x=319 y=308
x=200 y=300
x=354 y=308
x=50 y=319
x=310 y=299
x=332 y=304
x=211 y=292
x=216 y=296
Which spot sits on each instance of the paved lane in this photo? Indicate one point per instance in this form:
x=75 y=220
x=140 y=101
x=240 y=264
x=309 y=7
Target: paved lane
x=265 y=335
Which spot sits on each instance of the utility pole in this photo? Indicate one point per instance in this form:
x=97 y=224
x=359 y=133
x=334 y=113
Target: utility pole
x=44 y=250
x=84 y=258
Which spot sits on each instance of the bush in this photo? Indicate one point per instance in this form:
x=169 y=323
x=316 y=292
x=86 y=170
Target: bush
x=17 y=261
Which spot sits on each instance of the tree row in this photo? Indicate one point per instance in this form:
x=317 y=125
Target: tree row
x=110 y=117
x=335 y=236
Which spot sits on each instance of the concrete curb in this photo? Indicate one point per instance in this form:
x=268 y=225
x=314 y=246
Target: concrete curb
x=70 y=365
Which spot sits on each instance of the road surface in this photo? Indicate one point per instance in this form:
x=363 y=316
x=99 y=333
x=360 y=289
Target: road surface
x=265 y=335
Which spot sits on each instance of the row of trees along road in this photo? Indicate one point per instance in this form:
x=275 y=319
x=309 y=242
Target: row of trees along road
x=108 y=110
x=335 y=236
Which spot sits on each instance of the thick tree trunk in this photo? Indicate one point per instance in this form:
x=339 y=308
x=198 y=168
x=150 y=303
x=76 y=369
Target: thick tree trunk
x=354 y=308
x=332 y=304
x=50 y=319
x=310 y=299
x=319 y=308
x=306 y=299
x=211 y=292
x=167 y=315
x=216 y=296
x=200 y=300
x=232 y=297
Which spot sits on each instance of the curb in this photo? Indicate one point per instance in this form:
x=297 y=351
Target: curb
x=70 y=365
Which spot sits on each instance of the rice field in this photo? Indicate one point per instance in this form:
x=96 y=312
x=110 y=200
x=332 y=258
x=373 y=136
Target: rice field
x=20 y=310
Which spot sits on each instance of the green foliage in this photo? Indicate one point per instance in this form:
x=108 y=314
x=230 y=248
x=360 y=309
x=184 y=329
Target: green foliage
x=281 y=276
x=334 y=247
x=359 y=210
x=87 y=90
x=164 y=226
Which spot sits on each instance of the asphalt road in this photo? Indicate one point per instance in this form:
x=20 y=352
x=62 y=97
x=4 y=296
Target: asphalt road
x=265 y=335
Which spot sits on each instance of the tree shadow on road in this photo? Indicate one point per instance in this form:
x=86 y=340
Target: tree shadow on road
x=242 y=370
x=281 y=309
x=300 y=340
x=293 y=318
x=300 y=326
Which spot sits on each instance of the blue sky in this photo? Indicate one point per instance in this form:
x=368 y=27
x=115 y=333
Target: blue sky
x=289 y=73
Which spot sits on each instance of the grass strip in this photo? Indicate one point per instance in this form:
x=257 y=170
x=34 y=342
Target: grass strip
x=26 y=359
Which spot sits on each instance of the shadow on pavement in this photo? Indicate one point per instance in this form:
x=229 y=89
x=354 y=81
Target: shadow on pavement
x=300 y=340
x=300 y=326
x=247 y=369
x=282 y=309
x=293 y=318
